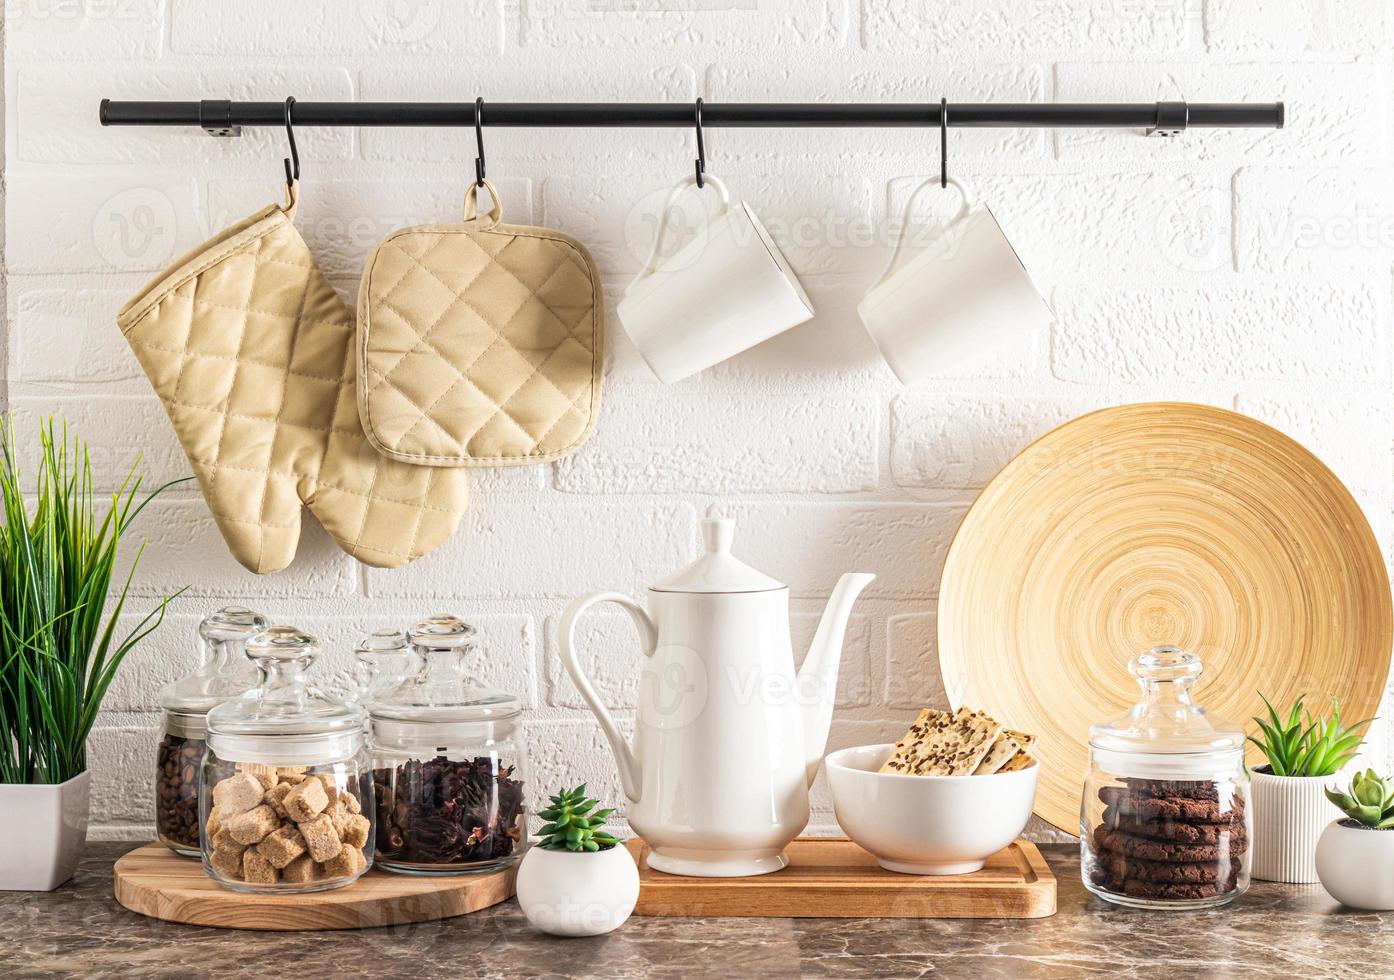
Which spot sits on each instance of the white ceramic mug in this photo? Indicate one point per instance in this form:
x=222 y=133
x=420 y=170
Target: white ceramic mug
x=955 y=300
x=725 y=291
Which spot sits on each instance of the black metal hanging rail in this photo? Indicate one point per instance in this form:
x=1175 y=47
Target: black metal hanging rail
x=222 y=117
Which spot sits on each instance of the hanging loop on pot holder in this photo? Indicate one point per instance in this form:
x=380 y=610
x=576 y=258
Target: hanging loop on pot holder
x=963 y=209
x=495 y=213
x=669 y=208
x=479 y=343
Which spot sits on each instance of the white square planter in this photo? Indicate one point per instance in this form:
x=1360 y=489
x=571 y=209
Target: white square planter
x=43 y=828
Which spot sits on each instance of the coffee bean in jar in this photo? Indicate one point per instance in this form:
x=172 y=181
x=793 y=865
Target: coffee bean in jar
x=223 y=672
x=176 y=791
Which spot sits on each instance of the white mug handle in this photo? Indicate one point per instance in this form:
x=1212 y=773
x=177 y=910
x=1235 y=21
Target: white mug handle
x=905 y=221
x=673 y=196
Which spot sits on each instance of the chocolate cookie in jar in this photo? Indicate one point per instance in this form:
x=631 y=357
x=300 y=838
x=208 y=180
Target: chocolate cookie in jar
x=449 y=762
x=1165 y=820
x=223 y=672
x=286 y=787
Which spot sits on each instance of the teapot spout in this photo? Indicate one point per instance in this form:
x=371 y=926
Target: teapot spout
x=817 y=681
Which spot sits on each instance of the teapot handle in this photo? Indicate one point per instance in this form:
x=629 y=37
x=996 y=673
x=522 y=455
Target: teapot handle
x=631 y=776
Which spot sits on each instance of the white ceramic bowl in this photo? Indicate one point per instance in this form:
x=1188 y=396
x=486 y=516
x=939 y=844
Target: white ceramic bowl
x=927 y=825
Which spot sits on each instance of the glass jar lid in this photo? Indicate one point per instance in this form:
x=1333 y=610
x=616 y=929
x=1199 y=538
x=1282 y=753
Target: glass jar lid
x=223 y=671
x=442 y=690
x=384 y=659
x=1166 y=734
x=284 y=720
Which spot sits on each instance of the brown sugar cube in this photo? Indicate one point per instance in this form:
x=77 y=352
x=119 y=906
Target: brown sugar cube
x=227 y=863
x=282 y=846
x=236 y=794
x=305 y=800
x=350 y=801
x=303 y=869
x=213 y=825
x=331 y=787
x=344 y=863
x=276 y=798
x=252 y=826
x=321 y=838
x=256 y=868
x=337 y=814
x=266 y=775
x=355 y=831
x=223 y=841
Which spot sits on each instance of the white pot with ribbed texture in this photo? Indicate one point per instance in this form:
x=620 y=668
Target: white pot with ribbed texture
x=1290 y=812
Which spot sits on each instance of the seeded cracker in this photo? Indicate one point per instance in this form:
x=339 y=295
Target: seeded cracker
x=999 y=755
x=1019 y=761
x=940 y=744
x=1008 y=746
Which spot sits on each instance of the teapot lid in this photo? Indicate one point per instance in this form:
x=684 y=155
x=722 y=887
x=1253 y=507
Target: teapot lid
x=718 y=570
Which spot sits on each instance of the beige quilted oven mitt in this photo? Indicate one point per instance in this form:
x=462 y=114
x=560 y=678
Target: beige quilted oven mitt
x=251 y=351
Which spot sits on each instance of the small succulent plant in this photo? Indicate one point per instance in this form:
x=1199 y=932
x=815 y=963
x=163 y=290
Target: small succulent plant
x=571 y=826
x=1370 y=800
x=1304 y=745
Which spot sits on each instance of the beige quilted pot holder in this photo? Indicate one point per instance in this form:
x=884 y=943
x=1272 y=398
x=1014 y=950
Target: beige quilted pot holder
x=250 y=349
x=479 y=344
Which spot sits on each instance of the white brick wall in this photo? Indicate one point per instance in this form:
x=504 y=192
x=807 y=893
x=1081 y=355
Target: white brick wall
x=1248 y=269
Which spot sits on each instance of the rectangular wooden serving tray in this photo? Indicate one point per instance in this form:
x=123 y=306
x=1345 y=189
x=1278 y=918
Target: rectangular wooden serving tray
x=830 y=877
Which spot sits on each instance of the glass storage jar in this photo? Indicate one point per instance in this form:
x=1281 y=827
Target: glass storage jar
x=286 y=793
x=449 y=765
x=223 y=672
x=1165 y=820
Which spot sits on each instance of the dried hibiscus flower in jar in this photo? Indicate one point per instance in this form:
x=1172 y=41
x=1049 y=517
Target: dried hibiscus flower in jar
x=444 y=812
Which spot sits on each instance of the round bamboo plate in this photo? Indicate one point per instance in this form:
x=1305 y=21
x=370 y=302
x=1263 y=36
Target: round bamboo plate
x=154 y=881
x=1159 y=523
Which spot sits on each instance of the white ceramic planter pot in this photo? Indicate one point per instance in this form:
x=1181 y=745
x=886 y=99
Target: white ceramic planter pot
x=1356 y=865
x=43 y=829
x=1290 y=813
x=575 y=893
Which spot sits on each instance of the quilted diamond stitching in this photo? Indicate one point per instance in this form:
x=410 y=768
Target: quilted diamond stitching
x=438 y=492
x=461 y=373
x=562 y=256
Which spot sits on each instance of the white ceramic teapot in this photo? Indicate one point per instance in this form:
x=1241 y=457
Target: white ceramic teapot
x=727 y=737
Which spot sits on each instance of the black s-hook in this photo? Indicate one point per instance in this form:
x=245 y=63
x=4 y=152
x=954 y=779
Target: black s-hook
x=479 y=141
x=943 y=142
x=701 y=146
x=292 y=174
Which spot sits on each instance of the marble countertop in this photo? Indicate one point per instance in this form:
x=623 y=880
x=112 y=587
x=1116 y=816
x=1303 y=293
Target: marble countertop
x=1274 y=930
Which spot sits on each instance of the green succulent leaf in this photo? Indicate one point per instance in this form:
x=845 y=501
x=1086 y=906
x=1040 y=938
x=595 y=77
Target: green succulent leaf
x=1370 y=799
x=1303 y=744
x=574 y=824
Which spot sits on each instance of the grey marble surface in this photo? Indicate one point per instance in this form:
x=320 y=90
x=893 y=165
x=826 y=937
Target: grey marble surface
x=1274 y=930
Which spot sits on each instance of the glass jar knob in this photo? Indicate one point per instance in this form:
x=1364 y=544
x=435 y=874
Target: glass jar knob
x=383 y=659
x=228 y=625
x=282 y=655
x=442 y=632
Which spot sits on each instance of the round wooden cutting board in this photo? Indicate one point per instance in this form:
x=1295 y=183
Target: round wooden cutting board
x=154 y=881
x=1149 y=524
